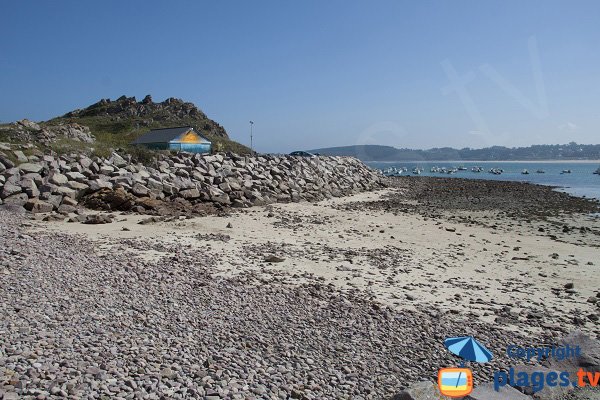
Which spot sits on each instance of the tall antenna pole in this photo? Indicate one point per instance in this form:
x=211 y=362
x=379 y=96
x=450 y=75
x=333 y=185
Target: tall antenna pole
x=251 y=126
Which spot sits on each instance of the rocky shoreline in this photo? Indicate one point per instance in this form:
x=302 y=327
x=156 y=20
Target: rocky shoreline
x=175 y=185
x=518 y=199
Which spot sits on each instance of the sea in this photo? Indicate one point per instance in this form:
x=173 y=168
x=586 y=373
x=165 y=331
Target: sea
x=580 y=182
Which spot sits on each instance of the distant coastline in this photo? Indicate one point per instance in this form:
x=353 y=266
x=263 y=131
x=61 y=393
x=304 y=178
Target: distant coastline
x=487 y=161
x=571 y=152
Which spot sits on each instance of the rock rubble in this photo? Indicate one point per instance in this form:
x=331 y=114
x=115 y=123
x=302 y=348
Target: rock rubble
x=184 y=182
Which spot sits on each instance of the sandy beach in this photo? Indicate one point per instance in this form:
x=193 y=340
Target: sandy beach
x=477 y=263
x=348 y=297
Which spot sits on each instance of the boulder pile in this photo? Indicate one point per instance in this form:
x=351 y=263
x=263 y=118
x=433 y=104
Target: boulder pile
x=60 y=183
x=29 y=131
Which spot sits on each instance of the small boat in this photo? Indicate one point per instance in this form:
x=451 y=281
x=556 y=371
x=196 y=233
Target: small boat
x=597 y=172
x=477 y=169
x=393 y=171
x=496 y=171
x=565 y=171
x=525 y=172
x=462 y=168
x=540 y=171
x=417 y=171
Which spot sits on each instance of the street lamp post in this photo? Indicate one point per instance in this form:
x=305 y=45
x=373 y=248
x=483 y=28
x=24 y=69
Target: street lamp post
x=251 y=126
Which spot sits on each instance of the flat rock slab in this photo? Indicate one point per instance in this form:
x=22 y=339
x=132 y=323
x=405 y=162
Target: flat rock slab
x=589 y=359
x=486 y=391
x=30 y=167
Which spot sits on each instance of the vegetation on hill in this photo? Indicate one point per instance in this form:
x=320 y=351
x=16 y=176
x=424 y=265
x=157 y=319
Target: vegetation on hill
x=570 y=151
x=115 y=124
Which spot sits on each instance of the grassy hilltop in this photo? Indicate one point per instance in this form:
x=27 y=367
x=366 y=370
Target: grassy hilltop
x=115 y=123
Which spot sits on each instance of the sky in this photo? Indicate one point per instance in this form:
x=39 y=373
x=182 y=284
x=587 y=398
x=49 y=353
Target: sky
x=312 y=74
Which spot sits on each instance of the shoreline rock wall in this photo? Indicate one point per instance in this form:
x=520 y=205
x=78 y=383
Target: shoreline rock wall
x=51 y=183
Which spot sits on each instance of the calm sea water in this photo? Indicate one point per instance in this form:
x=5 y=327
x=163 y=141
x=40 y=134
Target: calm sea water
x=580 y=182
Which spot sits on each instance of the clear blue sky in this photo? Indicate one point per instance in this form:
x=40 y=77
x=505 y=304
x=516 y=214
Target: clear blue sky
x=319 y=73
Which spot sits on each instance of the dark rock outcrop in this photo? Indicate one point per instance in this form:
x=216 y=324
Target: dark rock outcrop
x=127 y=110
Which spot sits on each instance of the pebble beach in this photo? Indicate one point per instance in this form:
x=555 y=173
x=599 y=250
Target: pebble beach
x=344 y=298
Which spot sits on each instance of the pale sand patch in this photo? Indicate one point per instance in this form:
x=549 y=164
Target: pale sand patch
x=470 y=270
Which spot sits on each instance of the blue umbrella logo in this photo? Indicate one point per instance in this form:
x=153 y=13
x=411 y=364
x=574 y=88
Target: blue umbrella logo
x=469 y=349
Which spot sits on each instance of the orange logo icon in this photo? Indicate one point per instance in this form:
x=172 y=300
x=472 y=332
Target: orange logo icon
x=455 y=382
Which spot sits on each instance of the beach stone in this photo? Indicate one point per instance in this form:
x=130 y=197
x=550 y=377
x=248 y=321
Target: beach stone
x=66 y=192
x=190 y=194
x=169 y=188
x=274 y=259
x=30 y=167
x=153 y=184
x=10 y=189
x=85 y=162
x=10 y=396
x=117 y=160
x=140 y=190
x=78 y=187
x=118 y=199
x=218 y=196
x=98 y=184
x=54 y=199
x=16 y=199
x=76 y=176
x=421 y=391
x=58 y=179
x=21 y=157
x=106 y=169
x=29 y=186
x=38 y=206
x=95 y=219
x=37 y=178
x=66 y=209
x=6 y=162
